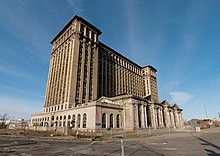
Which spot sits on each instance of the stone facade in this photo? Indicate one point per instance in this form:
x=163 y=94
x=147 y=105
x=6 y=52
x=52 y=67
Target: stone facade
x=90 y=86
x=120 y=112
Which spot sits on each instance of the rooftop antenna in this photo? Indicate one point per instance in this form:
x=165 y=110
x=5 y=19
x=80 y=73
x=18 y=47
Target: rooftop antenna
x=205 y=112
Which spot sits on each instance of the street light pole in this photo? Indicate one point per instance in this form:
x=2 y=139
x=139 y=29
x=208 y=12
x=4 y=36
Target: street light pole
x=205 y=112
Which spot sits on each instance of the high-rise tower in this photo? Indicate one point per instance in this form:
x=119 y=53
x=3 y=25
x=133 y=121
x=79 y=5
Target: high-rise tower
x=72 y=77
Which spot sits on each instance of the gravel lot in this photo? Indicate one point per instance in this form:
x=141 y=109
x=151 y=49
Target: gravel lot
x=205 y=143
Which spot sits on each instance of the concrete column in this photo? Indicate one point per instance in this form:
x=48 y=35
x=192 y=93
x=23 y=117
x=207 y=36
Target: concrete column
x=60 y=122
x=131 y=113
x=177 y=118
x=161 y=118
x=63 y=121
x=172 y=119
x=136 y=121
x=153 y=117
x=159 y=114
x=156 y=118
x=143 y=125
x=167 y=116
x=145 y=114
x=123 y=116
x=81 y=121
x=115 y=120
x=66 y=124
x=181 y=120
x=76 y=121
x=170 y=116
x=107 y=120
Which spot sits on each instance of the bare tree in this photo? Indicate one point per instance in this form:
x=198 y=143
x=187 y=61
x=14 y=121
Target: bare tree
x=3 y=118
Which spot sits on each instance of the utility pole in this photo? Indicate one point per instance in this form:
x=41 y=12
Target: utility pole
x=205 y=112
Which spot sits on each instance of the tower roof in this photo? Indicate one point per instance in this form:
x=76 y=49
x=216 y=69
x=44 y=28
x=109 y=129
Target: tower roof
x=70 y=22
x=151 y=67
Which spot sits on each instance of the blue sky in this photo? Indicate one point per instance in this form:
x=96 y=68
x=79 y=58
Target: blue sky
x=181 y=39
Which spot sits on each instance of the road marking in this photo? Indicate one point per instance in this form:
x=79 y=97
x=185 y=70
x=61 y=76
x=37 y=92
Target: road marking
x=152 y=143
x=171 y=149
x=122 y=148
x=91 y=143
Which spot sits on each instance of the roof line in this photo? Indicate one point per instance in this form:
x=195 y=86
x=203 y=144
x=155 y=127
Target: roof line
x=99 y=33
x=151 y=67
x=104 y=45
x=70 y=22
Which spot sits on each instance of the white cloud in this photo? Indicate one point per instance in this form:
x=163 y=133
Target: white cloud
x=180 y=97
x=76 y=6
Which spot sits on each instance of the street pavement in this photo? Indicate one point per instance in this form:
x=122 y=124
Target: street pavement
x=189 y=144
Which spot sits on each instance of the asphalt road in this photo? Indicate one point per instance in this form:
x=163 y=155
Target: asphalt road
x=195 y=144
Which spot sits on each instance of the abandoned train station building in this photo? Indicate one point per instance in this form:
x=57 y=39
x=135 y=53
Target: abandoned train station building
x=91 y=87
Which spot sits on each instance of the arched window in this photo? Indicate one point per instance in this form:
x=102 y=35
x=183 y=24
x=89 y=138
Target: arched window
x=111 y=120
x=118 y=121
x=84 y=120
x=68 y=122
x=60 y=124
x=73 y=121
x=103 y=120
x=78 y=120
x=64 y=123
x=69 y=117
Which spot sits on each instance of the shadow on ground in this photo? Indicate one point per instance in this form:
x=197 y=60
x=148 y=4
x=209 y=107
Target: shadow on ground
x=209 y=152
